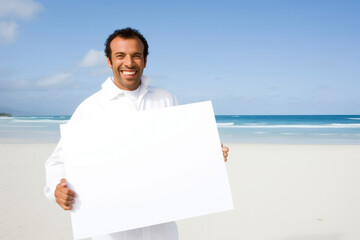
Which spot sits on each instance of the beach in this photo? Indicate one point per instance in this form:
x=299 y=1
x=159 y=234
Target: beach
x=25 y=211
x=280 y=191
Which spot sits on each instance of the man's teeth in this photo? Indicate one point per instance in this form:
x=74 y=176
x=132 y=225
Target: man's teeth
x=128 y=73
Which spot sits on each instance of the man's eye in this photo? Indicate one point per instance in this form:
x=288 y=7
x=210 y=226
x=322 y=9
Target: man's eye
x=119 y=56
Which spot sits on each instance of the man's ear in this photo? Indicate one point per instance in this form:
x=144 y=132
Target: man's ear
x=145 y=61
x=109 y=62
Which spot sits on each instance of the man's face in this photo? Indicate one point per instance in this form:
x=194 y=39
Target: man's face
x=127 y=62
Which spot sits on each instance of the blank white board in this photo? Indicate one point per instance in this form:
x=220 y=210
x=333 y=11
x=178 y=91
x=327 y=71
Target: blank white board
x=145 y=168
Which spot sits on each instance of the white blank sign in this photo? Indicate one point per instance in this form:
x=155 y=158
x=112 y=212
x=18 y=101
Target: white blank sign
x=145 y=168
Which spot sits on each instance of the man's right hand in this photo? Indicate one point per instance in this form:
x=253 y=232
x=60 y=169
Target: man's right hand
x=64 y=196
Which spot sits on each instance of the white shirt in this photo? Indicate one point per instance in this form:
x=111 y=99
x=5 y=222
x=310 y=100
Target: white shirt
x=113 y=99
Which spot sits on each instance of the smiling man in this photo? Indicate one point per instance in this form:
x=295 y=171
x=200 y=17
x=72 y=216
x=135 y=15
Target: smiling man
x=126 y=91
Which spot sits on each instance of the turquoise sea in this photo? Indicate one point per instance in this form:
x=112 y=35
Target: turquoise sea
x=292 y=129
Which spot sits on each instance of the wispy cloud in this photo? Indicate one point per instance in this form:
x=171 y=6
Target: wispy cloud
x=93 y=64
x=19 y=9
x=8 y=32
x=93 y=58
x=10 y=12
x=55 y=81
x=52 y=82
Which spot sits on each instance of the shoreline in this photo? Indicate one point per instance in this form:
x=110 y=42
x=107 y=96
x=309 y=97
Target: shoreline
x=55 y=141
x=256 y=129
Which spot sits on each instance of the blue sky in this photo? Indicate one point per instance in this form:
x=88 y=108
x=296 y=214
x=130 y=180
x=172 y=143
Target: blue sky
x=248 y=57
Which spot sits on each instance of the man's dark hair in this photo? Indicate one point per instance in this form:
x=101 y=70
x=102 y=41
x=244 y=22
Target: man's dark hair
x=126 y=33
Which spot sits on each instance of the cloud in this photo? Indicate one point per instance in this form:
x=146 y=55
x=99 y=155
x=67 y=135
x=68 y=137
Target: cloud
x=55 y=81
x=93 y=64
x=8 y=32
x=11 y=10
x=44 y=83
x=93 y=58
x=19 y=9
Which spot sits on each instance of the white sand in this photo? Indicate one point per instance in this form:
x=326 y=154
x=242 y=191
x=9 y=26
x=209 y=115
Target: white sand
x=25 y=212
x=287 y=192
x=282 y=192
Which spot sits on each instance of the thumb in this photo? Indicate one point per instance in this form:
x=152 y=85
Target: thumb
x=63 y=182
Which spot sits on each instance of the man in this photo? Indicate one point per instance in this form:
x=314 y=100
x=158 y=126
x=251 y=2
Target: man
x=127 y=91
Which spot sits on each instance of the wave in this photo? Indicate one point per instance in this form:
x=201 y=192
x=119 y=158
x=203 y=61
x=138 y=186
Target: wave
x=328 y=134
x=17 y=126
x=254 y=124
x=334 y=125
x=225 y=124
x=6 y=118
x=354 y=118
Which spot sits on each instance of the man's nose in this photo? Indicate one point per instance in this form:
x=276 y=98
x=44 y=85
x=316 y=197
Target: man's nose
x=129 y=62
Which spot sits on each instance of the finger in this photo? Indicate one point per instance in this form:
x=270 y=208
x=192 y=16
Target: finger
x=65 y=197
x=63 y=182
x=225 y=154
x=63 y=202
x=225 y=159
x=64 y=193
x=225 y=149
x=68 y=191
x=66 y=203
x=65 y=207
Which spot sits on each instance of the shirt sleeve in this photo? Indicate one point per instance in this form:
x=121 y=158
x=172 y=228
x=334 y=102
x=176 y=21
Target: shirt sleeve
x=55 y=170
x=54 y=166
x=174 y=100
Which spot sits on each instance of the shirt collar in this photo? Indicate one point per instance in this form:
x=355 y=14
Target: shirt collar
x=111 y=90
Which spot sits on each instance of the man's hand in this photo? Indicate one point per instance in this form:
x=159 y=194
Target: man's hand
x=64 y=196
x=225 y=151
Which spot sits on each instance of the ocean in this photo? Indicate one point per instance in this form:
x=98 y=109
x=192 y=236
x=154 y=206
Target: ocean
x=284 y=129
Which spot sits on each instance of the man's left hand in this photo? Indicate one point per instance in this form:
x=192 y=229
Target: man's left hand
x=225 y=151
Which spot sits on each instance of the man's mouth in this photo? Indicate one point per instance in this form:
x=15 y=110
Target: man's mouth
x=128 y=73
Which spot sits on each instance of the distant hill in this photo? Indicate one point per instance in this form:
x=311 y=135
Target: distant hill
x=5 y=114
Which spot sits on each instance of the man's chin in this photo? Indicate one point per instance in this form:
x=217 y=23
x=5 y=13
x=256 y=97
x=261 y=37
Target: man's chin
x=129 y=84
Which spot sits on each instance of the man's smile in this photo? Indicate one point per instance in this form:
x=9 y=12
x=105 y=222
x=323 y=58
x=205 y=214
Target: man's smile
x=129 y=73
